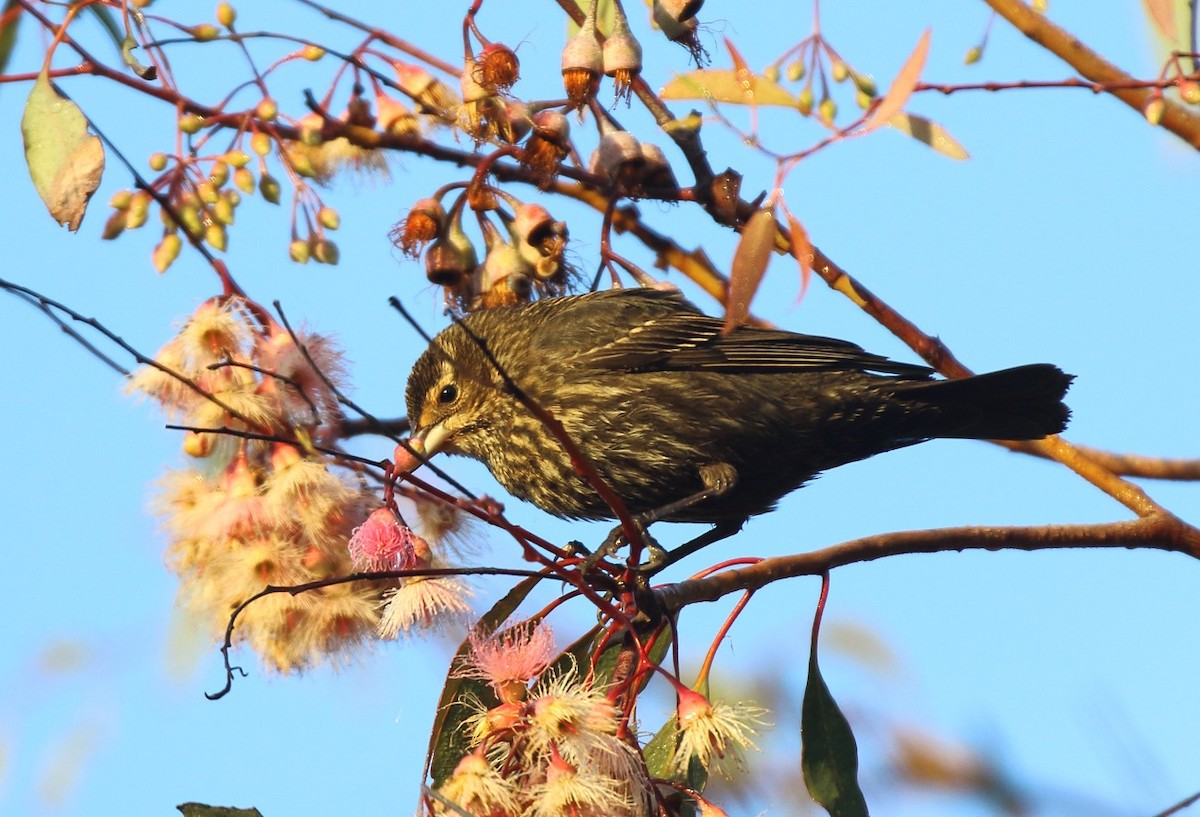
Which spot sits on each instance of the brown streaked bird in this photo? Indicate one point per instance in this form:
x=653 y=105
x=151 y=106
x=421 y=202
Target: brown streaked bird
x=683 y=422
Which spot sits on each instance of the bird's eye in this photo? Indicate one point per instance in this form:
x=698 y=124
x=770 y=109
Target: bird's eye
x=448 y=394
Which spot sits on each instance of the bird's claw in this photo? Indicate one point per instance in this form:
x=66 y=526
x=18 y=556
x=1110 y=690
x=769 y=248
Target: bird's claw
x=615 y=540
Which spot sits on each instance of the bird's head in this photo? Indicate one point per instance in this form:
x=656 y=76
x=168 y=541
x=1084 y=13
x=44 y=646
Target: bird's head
x=456 y=399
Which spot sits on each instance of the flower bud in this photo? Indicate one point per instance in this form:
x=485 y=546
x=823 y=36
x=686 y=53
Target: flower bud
x=795 y=71
x=505 y=274
x=325 y=251
x=121 y=200
x=452 y=257
x=678 y=10
x=516 y=123
x=266 y=109
x=189 y=219
x=269 y=188
x=1189 y=91
x=206 y=192
x=312 y=53
x=497 y=67
x=827 y=110
x=243 y=179
x=973 y=55
x=138 y=211
x=424 y=223
x=226 y=14
x=619 y=157
x=298 y=251
x=425 y=89
x=260 y=143
x=804 y=102
x=204 y=32
x=114 y=226
x=622 y=54
x=1154 y=109
x=218 y=174
x=548 y=145
x=216 y=237
x=540 y=240
x=395 y=118
x=165 y=254
x=865 y=84
x=190 y=122
x=197 y=445
x=158 y=162
x=222 y=211
x=839 y=70
x=656 y=170
x=328 y=218
x=582 y=62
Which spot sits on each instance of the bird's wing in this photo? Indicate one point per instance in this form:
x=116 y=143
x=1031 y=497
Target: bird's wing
x=689 y=340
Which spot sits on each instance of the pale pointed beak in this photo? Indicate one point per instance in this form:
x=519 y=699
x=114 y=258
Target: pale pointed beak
x=429 y=441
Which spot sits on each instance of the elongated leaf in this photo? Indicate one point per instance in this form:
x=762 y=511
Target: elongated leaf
x=447 y=742
x=802 y=251
x=1174 y=22
x=896 y=98
x=750 y=261
x=929 y=132
x=727 y=85
x=829 y=756
x=65 y=161
x=10 y=18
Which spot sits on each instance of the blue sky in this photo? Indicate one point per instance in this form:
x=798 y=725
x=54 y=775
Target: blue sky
x=1066 y=238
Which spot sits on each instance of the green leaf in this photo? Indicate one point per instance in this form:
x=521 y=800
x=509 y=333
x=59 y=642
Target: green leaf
x=447 y=742
x=10 y=18
x=659 y=753
x=829 y=755
x=727 y=85
x=65 y=161
x=146 y=72
x=929 y=132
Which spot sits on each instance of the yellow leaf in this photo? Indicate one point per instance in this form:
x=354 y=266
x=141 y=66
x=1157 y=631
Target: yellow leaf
x=727 y=85
x=65 y=161
x=931 y=133
x=1173 y=20
x=902 y=86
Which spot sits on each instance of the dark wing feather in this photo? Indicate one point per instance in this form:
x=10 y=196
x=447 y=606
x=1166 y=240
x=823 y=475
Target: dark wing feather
x=689 y=340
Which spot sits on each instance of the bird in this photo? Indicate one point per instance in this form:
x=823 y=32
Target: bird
x=681 y=419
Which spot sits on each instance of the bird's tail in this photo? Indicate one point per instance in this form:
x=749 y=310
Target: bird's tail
x=1023 y=403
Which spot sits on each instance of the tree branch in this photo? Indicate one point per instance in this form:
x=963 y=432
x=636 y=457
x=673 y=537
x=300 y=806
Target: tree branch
x=1157 y=532
x=1064 y=45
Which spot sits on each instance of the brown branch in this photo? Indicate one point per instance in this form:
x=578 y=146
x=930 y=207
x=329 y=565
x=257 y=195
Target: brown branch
x=1176 y=118
x=1140 y=465
x=1158 y=532
x=947 y=88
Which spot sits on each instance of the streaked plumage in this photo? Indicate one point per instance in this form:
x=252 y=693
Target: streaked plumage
x=655 y=396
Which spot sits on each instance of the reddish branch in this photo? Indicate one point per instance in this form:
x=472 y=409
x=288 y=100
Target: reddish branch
x=1157 y=532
